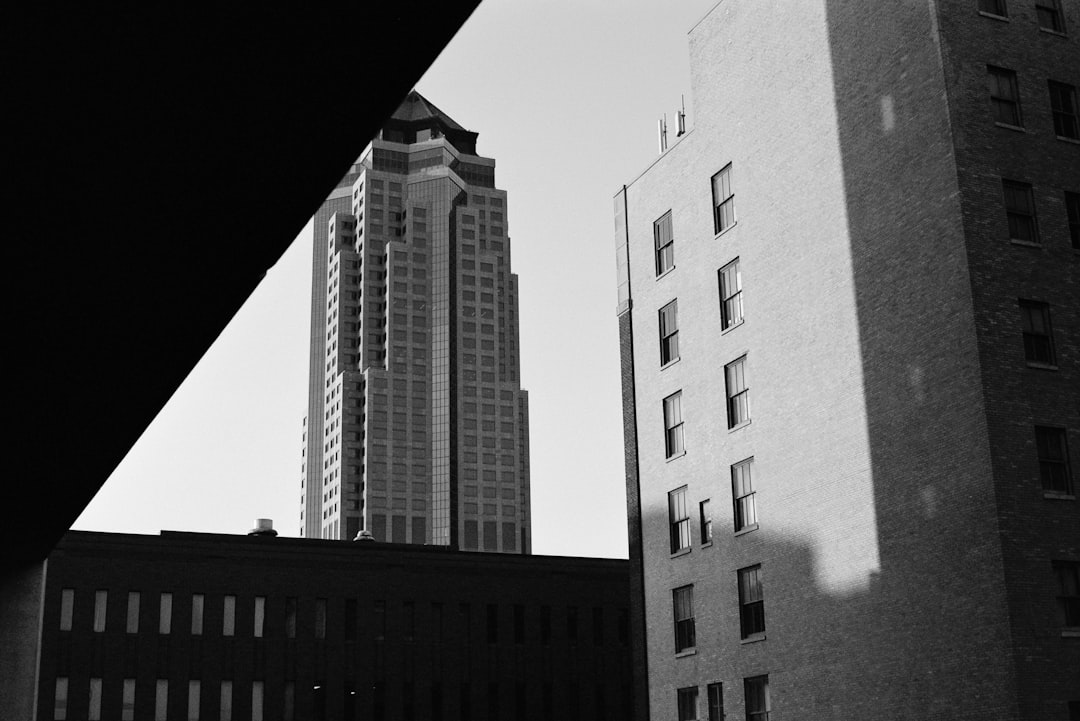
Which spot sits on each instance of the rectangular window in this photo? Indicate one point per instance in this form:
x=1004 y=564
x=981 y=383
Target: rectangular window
x=716 y=701
x=408 y=620
x=290 y=617
x=161 y=700
x=289 y=702
x=742 y=491
x=1050 y=15
x=60 y=700
x=705 y=514
x=545 y=625
x=598 y=626
x=687 y=703
x=571 y=623
x=93 y=711
x=228 y=620
x=678 y=520
x=665 y=244
x=260 y=616
x=682 y=601
x=1063 y=105
x=1053 y=453
x=738 y=399
x=751 y=602
x=1072 y=211
x=133 y=612
x=165 y=614
x=1020 y=211
x=1004 y=95
x=1068 y=578
x=673 y=425
x=127 y=701
x=320 y=617
x=994 y=7
x=67 y=608
x=723 y=200
x=197 y=602
x=519 y=623
x=731 y=308
x=226 y=701
x=1038 y=339
x=756 y=690
x=194 y=694
x=379 y=626
x=101 y=604
x=492 y=623
x=256 y=701
x=669 y=333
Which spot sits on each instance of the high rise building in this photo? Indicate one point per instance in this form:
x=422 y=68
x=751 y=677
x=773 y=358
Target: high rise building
x=417 y=427
x=849 y=310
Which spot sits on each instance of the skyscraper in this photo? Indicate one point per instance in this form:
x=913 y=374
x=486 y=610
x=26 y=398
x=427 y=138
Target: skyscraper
x=849 y=310
x=417 y=427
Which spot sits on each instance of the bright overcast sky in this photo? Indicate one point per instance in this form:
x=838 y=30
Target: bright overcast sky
x=565 y=95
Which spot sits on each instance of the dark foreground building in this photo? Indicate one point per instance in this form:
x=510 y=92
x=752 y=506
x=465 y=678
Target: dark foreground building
x=193 y=626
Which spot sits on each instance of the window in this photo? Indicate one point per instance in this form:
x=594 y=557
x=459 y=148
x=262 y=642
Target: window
x=545 y=625
x=723 y=200
x=194 y=692
x=127 y=703
x=742 y=491
x=226 y=701
x=290 y=617
x=1004 y=95
x=492 y=623
x=161 y=700
x=1068 y=578
x=256 y=701
x=1020 y=210
x=1063 y=105
x=519 y=623
x=133 y=612
x=60 y=700
x=687 y=701
x=673 y=422
x=705 y=514
x=1050 y=15
x=669 y=333
x=93 y=711
x=228 y=621
x=101 y=604
x=598 y=626
x=738 y=400
x=756 y=690
x=751 y=602
x=1038 y=340
x=320 y=617
x=165 y=614
x=993 y=7
x=716 y=701
x=678 y=520
x=197 y=602
x=260 y=616
x=665 y=244
x=1053 y=460
x=67 y=608
x=731 y=309
x=1072 y=210
x=682 y=601
x=571 y=623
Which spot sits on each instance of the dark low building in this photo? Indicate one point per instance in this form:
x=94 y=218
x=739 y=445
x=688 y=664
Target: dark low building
x=194 y=626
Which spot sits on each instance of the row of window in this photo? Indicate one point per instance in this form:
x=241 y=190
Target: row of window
x=379 y=611
x=1005 y=101
x=738 y=408
x=1023 y=222
x=751 y=610
x=1048 y=13
x=755 y=696
x=723 y=203
x=743 y=499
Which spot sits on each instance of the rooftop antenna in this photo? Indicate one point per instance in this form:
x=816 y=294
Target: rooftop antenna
x=661 y=131
x=681 y=115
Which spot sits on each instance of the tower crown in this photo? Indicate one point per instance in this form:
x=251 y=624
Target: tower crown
x=417 y=120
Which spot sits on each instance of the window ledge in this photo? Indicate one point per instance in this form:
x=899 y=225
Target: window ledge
x=1048 y=31
x=1066 y=139
x=994 y=16
x=666 y=272
x=706 y=544
x=1010 y=126
x=1058 y=496
x=686 y=652
x=732 y=327
x=677 y=456
x=681 y=552
x=1042 y=366
x=717 y=235
x=1070 y=633
x=744 y=424
x=670 y=363
x=743 y=531
x=1025 y=243
x=754 y=638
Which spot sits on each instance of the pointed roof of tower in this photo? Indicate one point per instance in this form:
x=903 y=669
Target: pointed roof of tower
x=417 y=108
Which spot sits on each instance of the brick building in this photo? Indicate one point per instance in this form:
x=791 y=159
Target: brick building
x=417 y=426
x=849 y=311
x=244 y=628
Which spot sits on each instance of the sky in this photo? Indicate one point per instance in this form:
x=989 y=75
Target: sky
x=565 y=96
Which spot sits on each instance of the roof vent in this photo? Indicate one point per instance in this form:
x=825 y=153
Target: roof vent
x=263 y=527
x=364 y=536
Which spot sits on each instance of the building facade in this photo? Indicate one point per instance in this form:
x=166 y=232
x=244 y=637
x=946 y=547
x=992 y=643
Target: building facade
x=849 y=311
x=200 y=626
x=417 y=427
